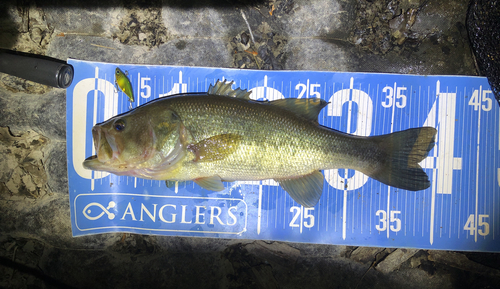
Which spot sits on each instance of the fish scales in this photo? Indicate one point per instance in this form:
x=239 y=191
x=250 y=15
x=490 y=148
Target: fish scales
x=275 y=143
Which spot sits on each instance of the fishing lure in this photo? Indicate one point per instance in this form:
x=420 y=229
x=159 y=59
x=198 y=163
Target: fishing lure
x=124 y=84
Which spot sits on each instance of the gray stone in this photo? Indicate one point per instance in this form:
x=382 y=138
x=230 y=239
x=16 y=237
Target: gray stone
x=315 y=54
x=327 y=16
x=461 y=262
x=45 y=114
x=189 y=53
x=37 y=249
x=395 y=259
x=365 y=254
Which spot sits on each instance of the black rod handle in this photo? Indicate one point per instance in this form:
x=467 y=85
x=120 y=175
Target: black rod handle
x=41 y=69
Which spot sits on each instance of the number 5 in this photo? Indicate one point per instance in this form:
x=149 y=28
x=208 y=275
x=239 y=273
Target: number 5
x=397 y=222
x=313 y=92
x=145 y=86
x=309 y=216
x=481 y=222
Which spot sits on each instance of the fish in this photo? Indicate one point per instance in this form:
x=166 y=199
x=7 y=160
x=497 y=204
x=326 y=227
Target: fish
x=124 y=84
x=224 y=136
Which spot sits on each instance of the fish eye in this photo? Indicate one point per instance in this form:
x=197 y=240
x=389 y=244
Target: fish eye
x=119 y=125
x=117 y=72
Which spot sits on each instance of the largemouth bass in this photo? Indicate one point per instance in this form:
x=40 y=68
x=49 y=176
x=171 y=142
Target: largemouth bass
x=222 y=135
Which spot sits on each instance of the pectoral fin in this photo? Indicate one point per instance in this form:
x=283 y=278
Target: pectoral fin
x=215 y=148
x=213 y=183
x=305 y=190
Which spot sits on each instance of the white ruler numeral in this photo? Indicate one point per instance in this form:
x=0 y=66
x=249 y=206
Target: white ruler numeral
x=442 y=117
x=364 y=119
x=302 y=217
x=471 y=226
x=484 y=102
x=308 y=90
x=400 y=98
x=394 y=222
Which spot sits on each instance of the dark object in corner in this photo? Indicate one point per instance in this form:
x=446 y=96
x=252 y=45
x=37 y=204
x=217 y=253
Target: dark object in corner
x=37 y=68
x=483 y=26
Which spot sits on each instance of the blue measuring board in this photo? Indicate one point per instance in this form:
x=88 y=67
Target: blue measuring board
x=460 y=211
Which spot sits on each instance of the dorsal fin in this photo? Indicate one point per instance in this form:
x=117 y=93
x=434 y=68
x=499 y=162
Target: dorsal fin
x=305 y=107
x=224 y=88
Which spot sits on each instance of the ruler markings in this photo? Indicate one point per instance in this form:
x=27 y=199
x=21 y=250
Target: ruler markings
x=450 y=185
x=443 y=168
x=372 y=195
x=278 y=208
x=284 y=211
x=470 y=165
x=389 y=187
x=460 y=137
x=415 y=219
x=423 y=203
x=301 y=218
x=348 y=130
x=484 y=175
x=477 y=166
x=433 y=185
x=498 y=174
x=259 y=210
x=411 y=109
x=414 y=214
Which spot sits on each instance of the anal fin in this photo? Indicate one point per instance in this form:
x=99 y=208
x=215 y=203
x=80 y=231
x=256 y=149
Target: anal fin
x=213 y=183
x=305 y=190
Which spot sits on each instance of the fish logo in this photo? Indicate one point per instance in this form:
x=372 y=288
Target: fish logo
x=88 y=211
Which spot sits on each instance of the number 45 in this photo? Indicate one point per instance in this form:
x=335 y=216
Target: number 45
x=476 y=100
x=470 y=225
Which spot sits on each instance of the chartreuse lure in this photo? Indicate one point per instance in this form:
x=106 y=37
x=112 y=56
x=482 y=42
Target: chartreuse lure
x=124 y=84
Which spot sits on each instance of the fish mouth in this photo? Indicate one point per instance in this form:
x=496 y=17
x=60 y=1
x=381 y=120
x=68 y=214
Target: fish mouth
x=105 y=147
x=93 y=163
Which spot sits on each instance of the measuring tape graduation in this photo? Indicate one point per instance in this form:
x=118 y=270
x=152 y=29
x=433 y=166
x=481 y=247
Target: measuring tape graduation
x=459 y=211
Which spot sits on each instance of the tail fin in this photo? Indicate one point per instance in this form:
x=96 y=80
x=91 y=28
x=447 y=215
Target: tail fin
x=402 y=152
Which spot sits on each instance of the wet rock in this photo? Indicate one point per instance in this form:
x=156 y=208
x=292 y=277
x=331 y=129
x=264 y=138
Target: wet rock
x=142 y=26
x=196 y=52
x=244 y=38
x=460 y=261
x=55 y=165
x=201 y=22
x=395 y=259
x=32 y=33
x=315 y=54
x=21 y=168
x=47 y=113
x=365 y=254
x=314 y=18
x=357 y=35
x=266 y=53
